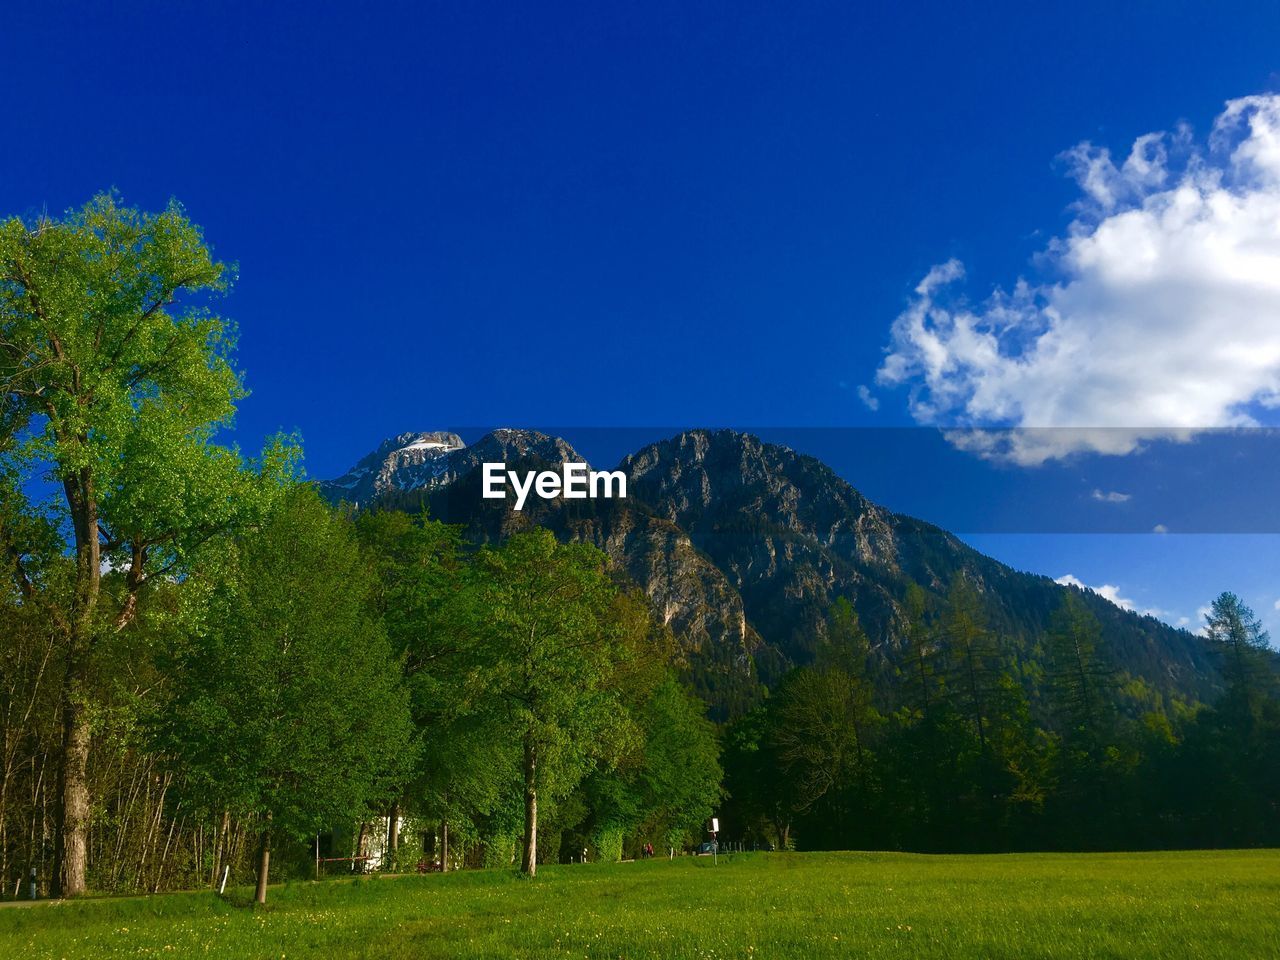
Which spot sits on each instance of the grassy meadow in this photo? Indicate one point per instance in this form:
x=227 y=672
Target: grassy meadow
x=1167 y=905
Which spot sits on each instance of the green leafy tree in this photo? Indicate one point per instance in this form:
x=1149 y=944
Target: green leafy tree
x=669 y=786
x=681 y=775
x=550 y=651
x=823 y=717
x=290 y=705
x=761 y=801
x=113 y=381
x=418 y=597
x=1081 y=690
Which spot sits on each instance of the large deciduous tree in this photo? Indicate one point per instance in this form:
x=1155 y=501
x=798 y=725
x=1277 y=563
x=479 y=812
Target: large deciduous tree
x=420 y=568
x=290 y=706
x=551 y=651
x=113 y=380
x=681 y=775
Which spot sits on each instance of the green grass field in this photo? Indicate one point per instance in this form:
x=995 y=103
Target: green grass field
x=1172 y=905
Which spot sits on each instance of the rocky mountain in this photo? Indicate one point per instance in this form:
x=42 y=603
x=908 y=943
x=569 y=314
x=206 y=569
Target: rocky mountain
x=433 y=461
x=792 y=536
x=404 y=462
x=742 y=546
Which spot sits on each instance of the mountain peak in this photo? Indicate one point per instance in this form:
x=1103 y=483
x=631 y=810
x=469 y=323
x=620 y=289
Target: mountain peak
x=426 y=461
x=513 y=443
x=417 y=453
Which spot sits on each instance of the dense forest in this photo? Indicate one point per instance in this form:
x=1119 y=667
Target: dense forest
x=956 y=757
x=205 y=667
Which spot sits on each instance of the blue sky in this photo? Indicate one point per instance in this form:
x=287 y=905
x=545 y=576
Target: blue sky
x=637 y=214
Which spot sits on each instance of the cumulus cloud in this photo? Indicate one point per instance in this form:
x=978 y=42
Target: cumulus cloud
x=1159 y=528
x=1277 y=605
x=1111 y=496
x=1160 y=317
x=1108 y=591
x=1202 y=617
x=871 y=401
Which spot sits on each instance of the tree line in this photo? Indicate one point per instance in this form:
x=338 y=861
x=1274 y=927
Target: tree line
x=951 y=754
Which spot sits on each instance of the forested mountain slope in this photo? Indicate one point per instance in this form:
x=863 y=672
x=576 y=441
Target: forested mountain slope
x=742 y=546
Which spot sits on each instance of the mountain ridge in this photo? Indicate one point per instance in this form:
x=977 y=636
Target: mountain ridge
x=742 y=545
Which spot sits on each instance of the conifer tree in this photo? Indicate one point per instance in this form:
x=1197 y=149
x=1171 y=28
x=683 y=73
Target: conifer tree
x=973 y=656
x=920 y=654
x=1242 y=642
x=1080 y=681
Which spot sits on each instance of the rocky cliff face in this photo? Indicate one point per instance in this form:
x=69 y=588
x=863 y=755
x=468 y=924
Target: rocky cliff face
x=789 y=533
x=742 y=546
x=792 y=536
x=689 y=594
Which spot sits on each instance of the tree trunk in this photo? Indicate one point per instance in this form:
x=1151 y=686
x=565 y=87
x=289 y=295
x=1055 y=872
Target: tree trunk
x=71 y=853
x=924 y=685
x=444 y=846
x=359 y=849
x=529 y=861
x=977 y=700
x=71 y=862
x=220 y=842
x=393 y=837
x=264 y=865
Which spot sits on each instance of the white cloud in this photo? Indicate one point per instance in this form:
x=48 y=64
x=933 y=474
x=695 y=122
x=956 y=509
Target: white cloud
x=1159 y=528
x=1162 y=317
x=871 y=401
x=1108 y=591
x=1111 y=496
x=1202 y=614
x=1277 y=605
